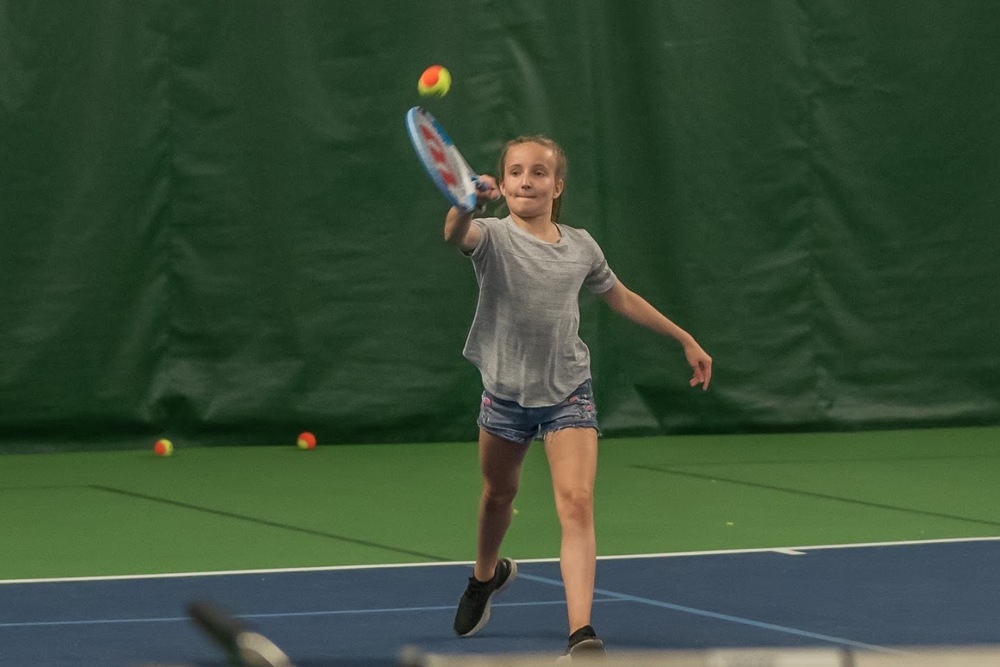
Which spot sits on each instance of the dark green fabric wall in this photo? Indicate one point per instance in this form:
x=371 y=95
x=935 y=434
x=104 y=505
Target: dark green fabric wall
x=212 y=224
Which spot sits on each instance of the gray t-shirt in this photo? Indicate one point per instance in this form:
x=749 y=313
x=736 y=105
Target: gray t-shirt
x=525 y=334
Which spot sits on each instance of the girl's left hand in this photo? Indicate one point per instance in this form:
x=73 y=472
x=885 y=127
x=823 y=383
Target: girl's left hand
x=700 y=363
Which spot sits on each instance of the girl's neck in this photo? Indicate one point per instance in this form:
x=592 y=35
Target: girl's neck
x=541 y=228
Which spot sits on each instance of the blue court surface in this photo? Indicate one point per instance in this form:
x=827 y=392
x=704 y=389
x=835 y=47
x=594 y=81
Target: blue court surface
x=870 y=597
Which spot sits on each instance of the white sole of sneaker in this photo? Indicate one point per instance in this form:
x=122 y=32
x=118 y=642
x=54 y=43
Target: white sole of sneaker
x=510 y=577
x=588 y=649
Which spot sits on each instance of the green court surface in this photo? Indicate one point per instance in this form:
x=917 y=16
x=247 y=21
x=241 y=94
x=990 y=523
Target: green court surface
x=259 y=507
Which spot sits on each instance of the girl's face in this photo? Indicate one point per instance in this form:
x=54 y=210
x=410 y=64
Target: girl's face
x=529 y=181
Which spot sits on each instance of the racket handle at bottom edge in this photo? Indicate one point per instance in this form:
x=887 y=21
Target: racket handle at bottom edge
x=245 y=647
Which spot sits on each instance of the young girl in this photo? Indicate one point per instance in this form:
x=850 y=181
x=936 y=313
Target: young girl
x=536 y=371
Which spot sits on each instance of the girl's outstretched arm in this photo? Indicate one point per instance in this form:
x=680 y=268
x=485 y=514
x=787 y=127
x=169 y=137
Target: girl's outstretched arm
x=627 y=303
x=457 y=230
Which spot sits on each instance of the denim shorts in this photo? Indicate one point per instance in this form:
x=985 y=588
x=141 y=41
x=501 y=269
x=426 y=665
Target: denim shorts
x=508 y=420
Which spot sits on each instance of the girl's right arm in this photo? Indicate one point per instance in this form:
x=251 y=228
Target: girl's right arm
x=458 y=229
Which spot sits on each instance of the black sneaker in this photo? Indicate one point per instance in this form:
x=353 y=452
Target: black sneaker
x=583 y=644
x=474 y=607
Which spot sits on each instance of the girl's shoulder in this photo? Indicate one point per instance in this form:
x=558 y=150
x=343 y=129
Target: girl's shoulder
x=489 y=223
x=576 y=233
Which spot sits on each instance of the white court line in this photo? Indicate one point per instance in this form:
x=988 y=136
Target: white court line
x=790 y=550
x=288 y=614
x=798 y=632
x=815 y=547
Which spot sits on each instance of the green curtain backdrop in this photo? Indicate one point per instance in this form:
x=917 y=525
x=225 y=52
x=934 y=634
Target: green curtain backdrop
x=212 y=224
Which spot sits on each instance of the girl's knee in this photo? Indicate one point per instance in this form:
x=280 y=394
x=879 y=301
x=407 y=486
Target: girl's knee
x=499 y=496
x=576 y=506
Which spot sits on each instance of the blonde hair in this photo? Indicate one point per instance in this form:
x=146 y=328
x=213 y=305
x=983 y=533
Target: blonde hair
x=561 y=164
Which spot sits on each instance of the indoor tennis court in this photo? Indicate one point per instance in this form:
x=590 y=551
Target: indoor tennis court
x=869 y=542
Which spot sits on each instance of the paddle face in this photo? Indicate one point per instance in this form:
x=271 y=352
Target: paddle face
x=442 y=159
